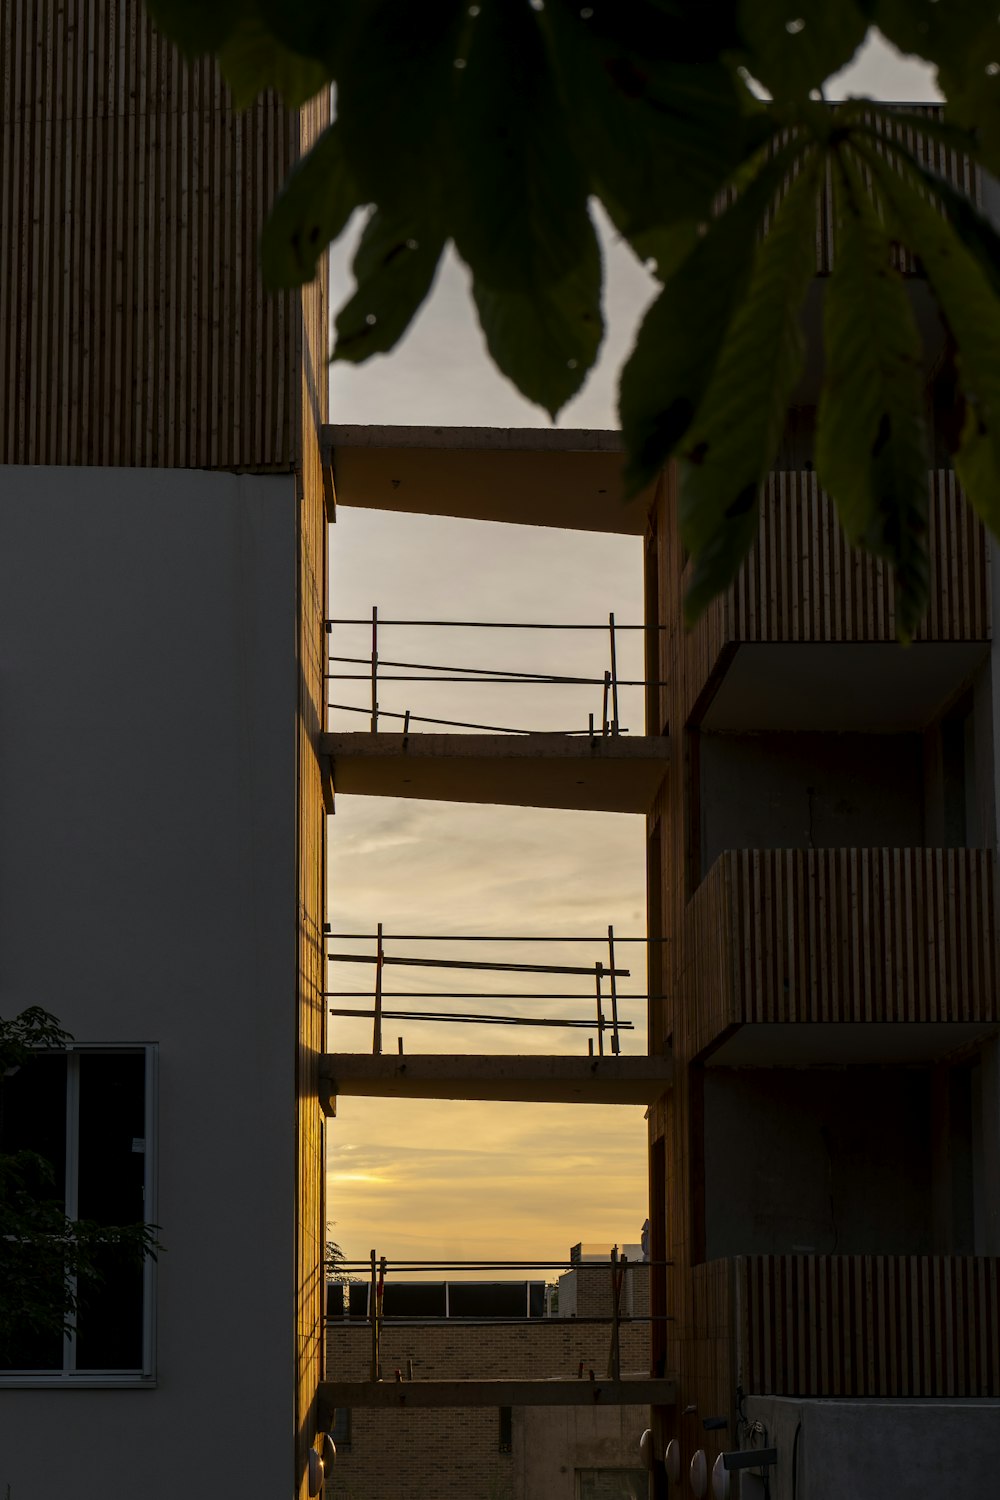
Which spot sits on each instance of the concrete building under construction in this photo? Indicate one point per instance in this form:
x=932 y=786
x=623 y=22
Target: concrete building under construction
x=823 y=1069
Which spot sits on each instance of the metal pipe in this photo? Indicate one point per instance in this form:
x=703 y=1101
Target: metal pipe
x=615 y=1043
x=374 y=669
x=465 y=963
x=475 y=1020
x=614 y=677
x=377 y=1026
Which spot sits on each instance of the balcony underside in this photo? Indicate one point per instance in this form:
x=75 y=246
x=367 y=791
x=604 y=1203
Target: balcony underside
x=409 y=1394
x=607 y=774
x=537 y=1080
x=802 y=1044
x=532 y=476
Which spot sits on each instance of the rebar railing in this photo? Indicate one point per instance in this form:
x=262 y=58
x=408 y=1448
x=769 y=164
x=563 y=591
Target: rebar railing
x=606 y=973
x=380 y=670
x=375 y=1271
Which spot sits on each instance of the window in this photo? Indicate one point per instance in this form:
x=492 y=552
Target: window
x=89 y=1113
x=506 y=1434
x=341 y=1429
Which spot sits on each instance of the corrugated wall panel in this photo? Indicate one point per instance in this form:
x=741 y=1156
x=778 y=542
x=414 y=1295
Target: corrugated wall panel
x=133 y=326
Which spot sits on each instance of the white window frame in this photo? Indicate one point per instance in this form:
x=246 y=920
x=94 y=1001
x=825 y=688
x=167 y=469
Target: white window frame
x=69 y=1376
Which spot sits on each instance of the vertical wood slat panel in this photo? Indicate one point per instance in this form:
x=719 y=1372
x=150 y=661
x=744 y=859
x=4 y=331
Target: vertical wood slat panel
x=844 y=935
x=133 y=326
x=869 y=1325
x=803 y=582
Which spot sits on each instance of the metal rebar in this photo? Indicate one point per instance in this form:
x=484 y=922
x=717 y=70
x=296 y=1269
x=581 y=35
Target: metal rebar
x=614 y=677
x=615 y=1044
x=474 y=1020
x=374 y=669
x=463 y=963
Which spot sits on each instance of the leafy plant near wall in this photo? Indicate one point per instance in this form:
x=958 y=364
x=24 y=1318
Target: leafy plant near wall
x=44 y=1255
x=494 y=125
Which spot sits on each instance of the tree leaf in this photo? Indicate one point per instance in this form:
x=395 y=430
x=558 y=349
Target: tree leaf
x=871 y=451
x=972 y=310
x=545 y=339
x=396 y=84
x=251 y=60
x=738 y=428
x=394 y=269
x=519 y=211
x=682 y=334
x=309 y=212
x=793 y=46
x=194 y=26
x=659 y=135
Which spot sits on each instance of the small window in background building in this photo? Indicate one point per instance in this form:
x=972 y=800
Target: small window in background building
x=96 y=1103
x=506 y=1429
x=341 y=1429
x=611 y=1484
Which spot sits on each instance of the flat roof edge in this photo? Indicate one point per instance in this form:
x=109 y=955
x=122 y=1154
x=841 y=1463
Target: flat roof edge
x=475 y=439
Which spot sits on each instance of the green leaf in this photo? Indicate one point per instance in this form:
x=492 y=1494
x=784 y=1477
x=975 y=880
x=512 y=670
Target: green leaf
x=194 y=26
x=739 y=424
x=394 y=269
x=659 y=136
x=545 y=339
x=682 y=334
x=251 y=60
x=793 y=46
x=310 y=211
x=871 y=449
x=519 y=211
x=396 y=84
x=972 y=311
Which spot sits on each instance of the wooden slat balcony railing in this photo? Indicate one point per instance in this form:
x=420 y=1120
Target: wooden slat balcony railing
x=844 y=935
x=868 y=1325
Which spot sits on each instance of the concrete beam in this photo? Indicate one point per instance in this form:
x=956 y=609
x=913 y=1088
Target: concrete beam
x=536 y=1080
x=617 y=773
x=536 y=476
x=410 y=1394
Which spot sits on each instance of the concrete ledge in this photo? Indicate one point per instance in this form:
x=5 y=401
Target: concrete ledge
x=539 y=476
x=612 y=774
x=551 y=1080
x=341 y=1394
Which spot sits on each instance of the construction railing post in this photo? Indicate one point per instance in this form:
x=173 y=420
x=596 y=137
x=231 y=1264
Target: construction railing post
x=607 y=694
x=598 y=971
x=373 y=1311
x=374 y=668
x=616 y=1045
x=615 y=1358
x=614 y=678
x=377 y=1026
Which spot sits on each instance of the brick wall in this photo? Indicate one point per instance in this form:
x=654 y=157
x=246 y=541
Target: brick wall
x=454 y=1453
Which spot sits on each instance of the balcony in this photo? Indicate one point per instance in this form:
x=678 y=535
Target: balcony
x=515 y=984
x=800 y=956
x=438 y=708
x=803 y=584
x=904 y=1326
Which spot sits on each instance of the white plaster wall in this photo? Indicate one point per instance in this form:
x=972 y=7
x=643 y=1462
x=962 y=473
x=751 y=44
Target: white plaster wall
x=148 y=692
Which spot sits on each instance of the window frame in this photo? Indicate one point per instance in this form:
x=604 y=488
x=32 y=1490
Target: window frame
x=69 y=1377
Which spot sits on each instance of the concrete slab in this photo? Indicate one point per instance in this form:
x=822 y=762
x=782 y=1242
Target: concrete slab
x=613 y=774
x=536 y=476
x=552 y=1080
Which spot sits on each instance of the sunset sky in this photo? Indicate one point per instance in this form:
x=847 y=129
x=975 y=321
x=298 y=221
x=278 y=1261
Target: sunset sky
x=479 y=1180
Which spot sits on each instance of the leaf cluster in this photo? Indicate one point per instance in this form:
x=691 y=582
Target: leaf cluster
x=496 y=125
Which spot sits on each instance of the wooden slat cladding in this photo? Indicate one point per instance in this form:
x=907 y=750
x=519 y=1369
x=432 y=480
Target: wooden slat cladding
x=802 y=581
x=957 y=169
x=133 y=326
x=869 y=1325
x=310 y=1222
x=793 y=935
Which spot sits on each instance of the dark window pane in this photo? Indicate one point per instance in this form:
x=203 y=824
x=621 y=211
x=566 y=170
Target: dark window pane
x=506 y=1429
x=109 y=1318
x=112 y=1145
x=112 y=1174
x=487 y=1299
x=33 y=1118
x=341 y=1429
x=413 y=1299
